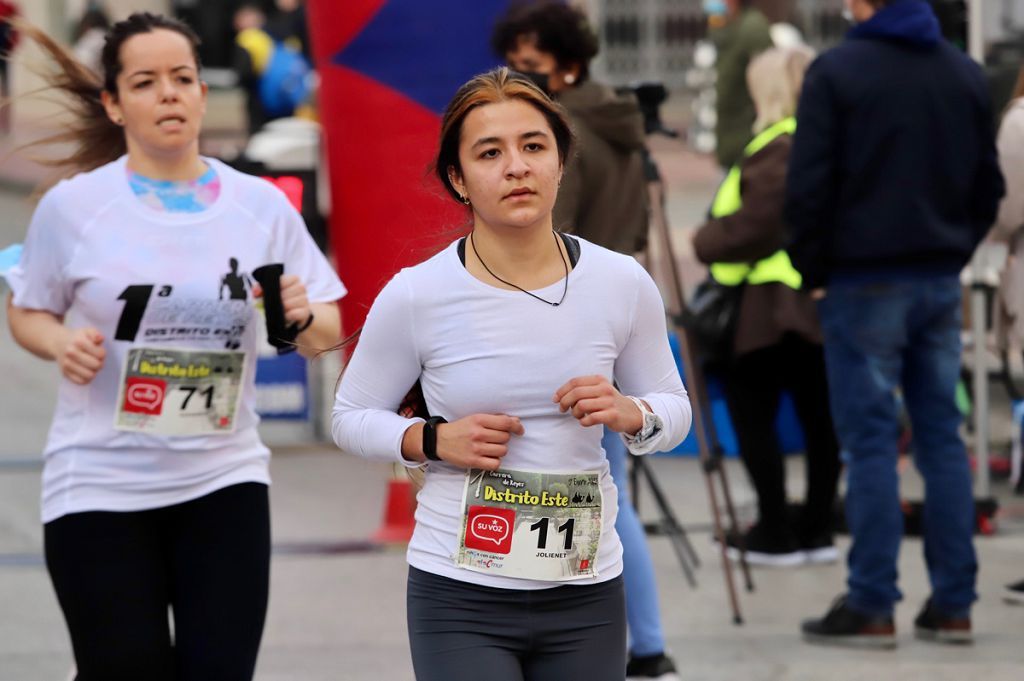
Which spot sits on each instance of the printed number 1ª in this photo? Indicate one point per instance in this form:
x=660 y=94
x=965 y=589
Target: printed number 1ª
x=541 y=526
x=136 y=298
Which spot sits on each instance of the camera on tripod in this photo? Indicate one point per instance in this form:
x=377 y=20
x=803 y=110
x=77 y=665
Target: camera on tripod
x=650 y=96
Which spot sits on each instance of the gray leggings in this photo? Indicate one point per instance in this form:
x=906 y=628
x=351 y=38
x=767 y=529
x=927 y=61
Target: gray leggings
x=459 y=630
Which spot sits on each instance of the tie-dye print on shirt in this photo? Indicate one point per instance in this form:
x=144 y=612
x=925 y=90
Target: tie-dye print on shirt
x=176 y=196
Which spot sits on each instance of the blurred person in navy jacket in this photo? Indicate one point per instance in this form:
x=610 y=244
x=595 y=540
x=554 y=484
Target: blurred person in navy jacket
x=893 y=181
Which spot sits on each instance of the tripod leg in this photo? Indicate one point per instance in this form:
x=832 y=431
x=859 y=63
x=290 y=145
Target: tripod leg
x=734 y=525
x=714 y=463
x=737 y=617
x=673 y=527
x=669 y=526
x=701 y=418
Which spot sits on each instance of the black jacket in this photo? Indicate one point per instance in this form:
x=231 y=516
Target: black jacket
x=894 y=167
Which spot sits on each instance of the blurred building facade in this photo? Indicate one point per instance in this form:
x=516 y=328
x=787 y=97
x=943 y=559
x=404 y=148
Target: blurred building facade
x=644 y=40
x=58 y=18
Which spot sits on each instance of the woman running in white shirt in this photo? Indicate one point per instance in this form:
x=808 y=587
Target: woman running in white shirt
x=155 y=479
x=516 y=334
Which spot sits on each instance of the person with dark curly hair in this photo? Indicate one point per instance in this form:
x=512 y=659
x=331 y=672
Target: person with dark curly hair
x=603 y=198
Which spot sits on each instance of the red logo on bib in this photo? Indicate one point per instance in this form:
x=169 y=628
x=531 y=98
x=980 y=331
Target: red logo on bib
x=490 y=529
x=144 y=395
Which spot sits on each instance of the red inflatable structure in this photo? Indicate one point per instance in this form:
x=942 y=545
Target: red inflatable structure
x=387 y=68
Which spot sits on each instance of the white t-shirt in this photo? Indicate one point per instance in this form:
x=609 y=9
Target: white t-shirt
x=100 y=257
x=481 y=349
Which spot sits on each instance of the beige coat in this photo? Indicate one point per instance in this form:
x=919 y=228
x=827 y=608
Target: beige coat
x=1009 y=225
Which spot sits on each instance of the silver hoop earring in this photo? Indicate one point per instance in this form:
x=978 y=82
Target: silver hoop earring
x=465 y=198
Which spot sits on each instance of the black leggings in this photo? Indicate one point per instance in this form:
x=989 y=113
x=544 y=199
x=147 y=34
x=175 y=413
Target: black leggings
x=753 y=388
x=461 y=631
x=208 y=560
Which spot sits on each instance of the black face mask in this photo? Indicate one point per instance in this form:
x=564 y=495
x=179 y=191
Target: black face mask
x=541 y=80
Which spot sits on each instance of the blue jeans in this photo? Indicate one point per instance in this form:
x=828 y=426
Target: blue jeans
x=642 y=613
x=880 y=336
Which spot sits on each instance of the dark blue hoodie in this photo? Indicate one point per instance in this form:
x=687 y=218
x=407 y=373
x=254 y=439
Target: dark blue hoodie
x=894 y=169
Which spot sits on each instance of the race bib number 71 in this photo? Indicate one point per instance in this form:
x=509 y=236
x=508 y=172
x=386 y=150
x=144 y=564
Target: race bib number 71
x=179 y=392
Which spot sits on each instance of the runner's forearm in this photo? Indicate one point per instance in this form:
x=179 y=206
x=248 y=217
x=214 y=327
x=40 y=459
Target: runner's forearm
x=323 y=333
x=38 y=331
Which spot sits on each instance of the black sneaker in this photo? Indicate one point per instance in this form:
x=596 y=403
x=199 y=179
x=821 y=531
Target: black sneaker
x=844 y=626
x=820 y=549
x=933 y=625
x=770 y=549
x=660 y=667
x=1014 y=593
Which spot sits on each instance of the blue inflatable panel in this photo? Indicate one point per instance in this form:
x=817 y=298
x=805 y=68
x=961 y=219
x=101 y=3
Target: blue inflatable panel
x=791 y=438
x=282 y=387
x=9 y=258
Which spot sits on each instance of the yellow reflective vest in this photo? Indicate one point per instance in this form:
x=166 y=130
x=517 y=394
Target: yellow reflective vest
x=774 y=268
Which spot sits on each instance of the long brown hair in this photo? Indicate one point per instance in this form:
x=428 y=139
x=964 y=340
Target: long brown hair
x=95 y=139
x=492 y=87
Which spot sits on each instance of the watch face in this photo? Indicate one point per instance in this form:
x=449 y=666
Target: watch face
x=648 y=426
x=651 y=427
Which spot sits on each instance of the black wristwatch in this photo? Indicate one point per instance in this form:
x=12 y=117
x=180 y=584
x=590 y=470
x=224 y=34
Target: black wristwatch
x=430 y=437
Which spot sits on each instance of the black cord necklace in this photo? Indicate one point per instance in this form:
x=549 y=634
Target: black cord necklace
x=565 y=288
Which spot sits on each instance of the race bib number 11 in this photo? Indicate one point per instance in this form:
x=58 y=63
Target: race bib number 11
x=179 y=392
x=544 y=526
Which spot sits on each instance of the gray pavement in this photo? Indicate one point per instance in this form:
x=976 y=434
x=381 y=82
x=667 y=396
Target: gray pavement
x=341 y=616
x=338 y=614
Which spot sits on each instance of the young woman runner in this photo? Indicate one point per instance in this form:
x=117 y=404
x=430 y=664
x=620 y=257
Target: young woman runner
x=155 y=481
x=516 y=334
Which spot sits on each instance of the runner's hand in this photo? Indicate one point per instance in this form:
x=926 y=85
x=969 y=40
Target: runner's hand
x=593 y=400
x=477 y=441
x=80 y=354
x=294 y=299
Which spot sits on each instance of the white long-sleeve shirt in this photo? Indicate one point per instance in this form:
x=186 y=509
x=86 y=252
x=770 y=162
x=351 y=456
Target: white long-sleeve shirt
x=481 y=349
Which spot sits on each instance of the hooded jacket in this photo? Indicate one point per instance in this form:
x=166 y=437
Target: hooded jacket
x=603 y=197
x=894 y=169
